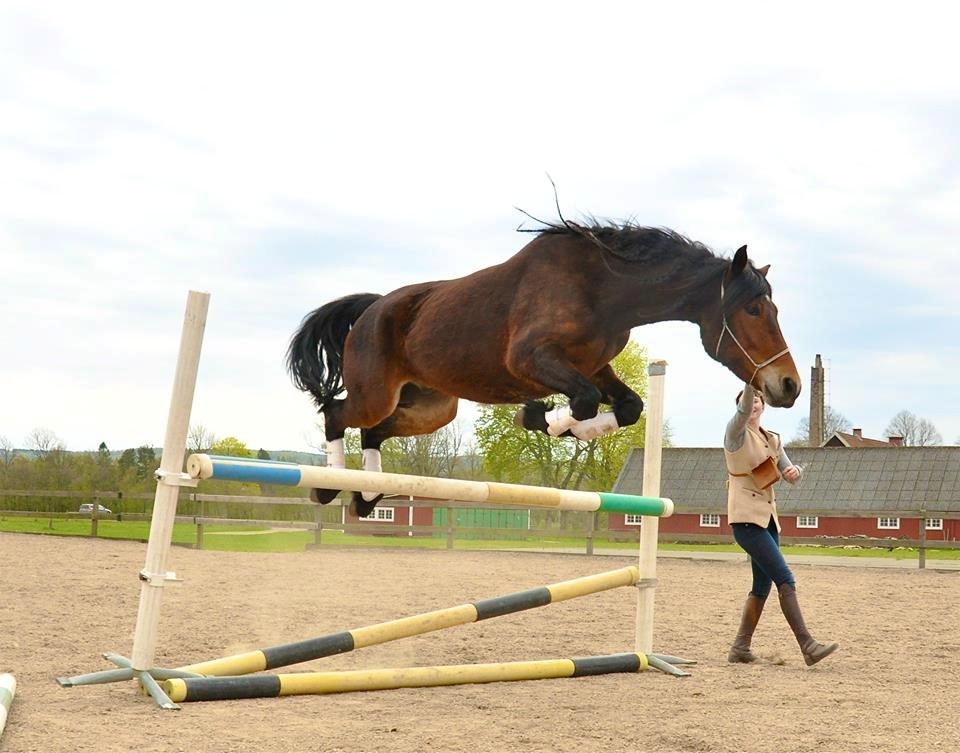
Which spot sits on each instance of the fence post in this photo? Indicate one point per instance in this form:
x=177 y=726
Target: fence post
x=200 y=510
x=591 y=527
x=449 y=528
x=95 y=515
x=922 y=556
x=318 y=531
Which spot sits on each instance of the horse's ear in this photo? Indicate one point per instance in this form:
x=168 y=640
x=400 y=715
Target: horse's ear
x=763 y=270
x=739 y=262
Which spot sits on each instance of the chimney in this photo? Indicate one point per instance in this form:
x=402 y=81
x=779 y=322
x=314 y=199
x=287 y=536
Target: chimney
x=895 y=441
x=816 y=438
x=858 y=433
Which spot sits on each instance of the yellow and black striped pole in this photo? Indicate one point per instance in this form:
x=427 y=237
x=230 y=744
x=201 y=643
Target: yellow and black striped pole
x=338 y=643
x=313 y=683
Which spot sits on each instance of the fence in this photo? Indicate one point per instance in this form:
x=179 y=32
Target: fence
x=298 y=513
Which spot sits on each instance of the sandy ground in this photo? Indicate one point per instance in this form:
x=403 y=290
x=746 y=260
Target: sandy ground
x=894 y=686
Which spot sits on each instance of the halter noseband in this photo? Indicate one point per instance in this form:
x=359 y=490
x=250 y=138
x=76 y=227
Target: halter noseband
x=726 y=330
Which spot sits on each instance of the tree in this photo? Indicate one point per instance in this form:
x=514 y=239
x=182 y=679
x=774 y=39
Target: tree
x=262 y=454
x=146 y=462
x=516 y=455
x=833 y=421
x=230 y=446
x=43 y=441
x=916 y=431
x=199 y=439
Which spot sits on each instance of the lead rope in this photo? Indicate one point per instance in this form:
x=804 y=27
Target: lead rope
x=726 y=330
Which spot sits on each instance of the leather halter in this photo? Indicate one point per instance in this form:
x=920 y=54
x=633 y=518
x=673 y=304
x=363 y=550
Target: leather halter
x=726 y=330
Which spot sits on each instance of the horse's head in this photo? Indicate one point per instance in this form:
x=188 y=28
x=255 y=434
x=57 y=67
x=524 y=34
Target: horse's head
x=744 y=334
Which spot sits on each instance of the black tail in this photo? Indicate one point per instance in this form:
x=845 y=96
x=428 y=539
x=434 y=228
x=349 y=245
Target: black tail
x=315 y=355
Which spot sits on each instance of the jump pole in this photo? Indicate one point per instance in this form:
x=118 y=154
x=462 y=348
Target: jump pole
x=169 y=480
x=405 y=627
x=313 y=683
x=650 y=525
x=485 y=492
x=8 y=688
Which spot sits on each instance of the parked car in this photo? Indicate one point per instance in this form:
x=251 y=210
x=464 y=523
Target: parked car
x=101 y=510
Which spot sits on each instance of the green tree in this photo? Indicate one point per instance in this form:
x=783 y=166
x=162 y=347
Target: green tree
x=127 y=463
x=515 y=455
x=230 y=446
x=262 y=454
x=146 y=462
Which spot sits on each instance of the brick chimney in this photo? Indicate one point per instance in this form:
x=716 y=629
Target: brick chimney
x=816 y=436
x=858 y=433
x=895 y=441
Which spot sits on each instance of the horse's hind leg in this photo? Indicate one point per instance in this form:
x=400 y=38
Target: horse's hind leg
x=419 y=411
x=363 y=406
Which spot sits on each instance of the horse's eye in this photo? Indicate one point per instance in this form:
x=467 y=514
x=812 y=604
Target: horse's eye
x=753 y=309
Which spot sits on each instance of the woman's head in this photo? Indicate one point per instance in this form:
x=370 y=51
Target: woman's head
x=758 y=404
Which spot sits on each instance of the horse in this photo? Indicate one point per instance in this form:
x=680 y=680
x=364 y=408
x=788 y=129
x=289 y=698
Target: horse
x=546 y=321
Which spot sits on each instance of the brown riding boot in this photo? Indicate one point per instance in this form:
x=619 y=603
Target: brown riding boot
x=740 y=652
x=812 y=650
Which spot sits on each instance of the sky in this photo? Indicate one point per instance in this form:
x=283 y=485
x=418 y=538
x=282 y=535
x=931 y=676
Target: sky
x=281 y=156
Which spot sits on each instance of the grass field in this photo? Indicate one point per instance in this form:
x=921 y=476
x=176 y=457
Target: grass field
x=236 y=538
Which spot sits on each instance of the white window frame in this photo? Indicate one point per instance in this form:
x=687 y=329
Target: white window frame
x=709 y=520
x=381 y=515
x=933 y=524
x=808 y=521
x=888 y=524
x=632 y=520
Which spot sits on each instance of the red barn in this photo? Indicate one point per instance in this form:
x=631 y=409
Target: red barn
x=876 y=491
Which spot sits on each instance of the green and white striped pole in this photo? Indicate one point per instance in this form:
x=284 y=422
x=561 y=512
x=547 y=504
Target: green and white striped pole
x=8 y=687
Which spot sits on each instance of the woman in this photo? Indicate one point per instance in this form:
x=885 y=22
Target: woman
x=755 y=460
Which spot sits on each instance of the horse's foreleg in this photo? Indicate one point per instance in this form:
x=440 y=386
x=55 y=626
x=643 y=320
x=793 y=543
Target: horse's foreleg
x=627 y=407
x=627 y=404
x=551 y=368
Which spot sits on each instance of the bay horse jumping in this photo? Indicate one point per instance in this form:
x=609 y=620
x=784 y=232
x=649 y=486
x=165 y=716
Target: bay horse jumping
x=546 y=321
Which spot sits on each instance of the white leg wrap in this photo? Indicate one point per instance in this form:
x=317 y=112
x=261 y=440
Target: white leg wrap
x=591 y=428
x=559 y=420
x=335 y=457
x=371 y=462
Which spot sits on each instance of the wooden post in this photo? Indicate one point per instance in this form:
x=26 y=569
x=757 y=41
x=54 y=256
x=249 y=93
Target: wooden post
x=650 y=525
x=200 y=510
x=95 y=516
x=922 y=553
x=591 y=527
x=154 y=572
x=318 y=531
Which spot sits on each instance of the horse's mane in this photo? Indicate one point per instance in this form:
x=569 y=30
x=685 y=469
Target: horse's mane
x=658 y=247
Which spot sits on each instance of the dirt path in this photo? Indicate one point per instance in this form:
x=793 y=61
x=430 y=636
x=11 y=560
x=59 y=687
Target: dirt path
x=894 y=686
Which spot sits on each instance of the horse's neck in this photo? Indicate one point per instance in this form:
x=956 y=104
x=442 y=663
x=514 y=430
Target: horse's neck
x=665 y=292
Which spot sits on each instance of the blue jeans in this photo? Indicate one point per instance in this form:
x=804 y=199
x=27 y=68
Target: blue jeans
x=768 y=564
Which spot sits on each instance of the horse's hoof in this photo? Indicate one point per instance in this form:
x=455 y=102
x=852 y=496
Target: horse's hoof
x=323 y=496
x=360 y=507
x=532 y=416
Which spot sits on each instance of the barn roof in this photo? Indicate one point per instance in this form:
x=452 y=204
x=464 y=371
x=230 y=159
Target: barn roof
x=861 y=481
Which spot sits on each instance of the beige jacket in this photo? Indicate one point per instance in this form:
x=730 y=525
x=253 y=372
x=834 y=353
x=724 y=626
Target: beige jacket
x=745 y=502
